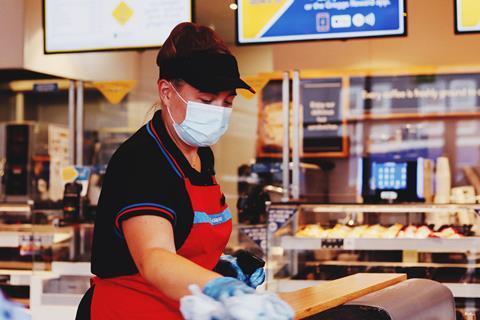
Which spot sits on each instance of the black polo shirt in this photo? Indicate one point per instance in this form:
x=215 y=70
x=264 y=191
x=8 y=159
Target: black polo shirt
x=141 y=179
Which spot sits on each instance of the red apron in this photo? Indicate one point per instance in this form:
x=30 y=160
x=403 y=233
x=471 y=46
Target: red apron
x=131 y=297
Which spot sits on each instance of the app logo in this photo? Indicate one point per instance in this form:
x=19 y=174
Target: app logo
x=323 y=22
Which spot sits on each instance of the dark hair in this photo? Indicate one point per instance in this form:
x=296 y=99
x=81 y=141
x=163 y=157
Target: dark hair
x=188 y=38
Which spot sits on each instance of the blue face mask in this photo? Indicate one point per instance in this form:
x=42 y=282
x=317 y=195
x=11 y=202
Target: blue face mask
x=204 y=124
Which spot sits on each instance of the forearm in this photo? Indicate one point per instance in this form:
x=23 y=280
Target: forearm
x=172 y=273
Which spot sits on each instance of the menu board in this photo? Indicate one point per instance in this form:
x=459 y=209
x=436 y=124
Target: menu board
x=419 y=94
x=289 y=20
x=467 y=16
x=92 y=25
x=329 y=103
x=323 y=117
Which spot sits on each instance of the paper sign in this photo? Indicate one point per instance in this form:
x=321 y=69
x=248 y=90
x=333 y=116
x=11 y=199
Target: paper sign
x=83 y=178
x=277 y=217
x=258 y=234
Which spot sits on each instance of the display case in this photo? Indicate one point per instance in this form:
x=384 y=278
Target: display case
x=308 y=243
x=61 y=267
x=44 y=260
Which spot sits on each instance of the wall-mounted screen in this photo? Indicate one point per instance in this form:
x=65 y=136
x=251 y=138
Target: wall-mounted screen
x=289 y=20
x=92 y=25
x=388 y=176
x=467 y=16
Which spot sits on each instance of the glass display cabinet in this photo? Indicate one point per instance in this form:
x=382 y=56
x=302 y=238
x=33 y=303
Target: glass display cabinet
x=307 y=243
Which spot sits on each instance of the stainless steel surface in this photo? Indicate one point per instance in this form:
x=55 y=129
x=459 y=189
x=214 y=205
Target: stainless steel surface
x=79 y=124
x=414 y=299
x=296 y=135
x=65 y=290
x=286 y=136
x=389 y=208
x=71 y=122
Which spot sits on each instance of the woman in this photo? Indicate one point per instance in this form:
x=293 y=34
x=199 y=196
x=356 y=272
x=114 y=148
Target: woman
x=162 y=221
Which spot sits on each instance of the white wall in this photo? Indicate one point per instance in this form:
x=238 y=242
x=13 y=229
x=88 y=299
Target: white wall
x=11 y=33
x=145 y=94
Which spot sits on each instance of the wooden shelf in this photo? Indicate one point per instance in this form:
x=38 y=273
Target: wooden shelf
x=311 y=301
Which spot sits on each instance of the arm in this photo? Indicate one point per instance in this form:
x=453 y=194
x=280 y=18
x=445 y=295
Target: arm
x=151 y=244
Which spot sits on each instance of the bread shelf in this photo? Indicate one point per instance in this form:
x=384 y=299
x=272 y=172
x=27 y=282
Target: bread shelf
x=467 y=244
x=389 y=208
x=391 y=264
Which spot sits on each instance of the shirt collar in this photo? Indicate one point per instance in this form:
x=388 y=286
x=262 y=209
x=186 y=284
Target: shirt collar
x=207 y=169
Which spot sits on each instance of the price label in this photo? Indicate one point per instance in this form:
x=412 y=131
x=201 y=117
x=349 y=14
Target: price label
x=278 y=217
x=258 y=234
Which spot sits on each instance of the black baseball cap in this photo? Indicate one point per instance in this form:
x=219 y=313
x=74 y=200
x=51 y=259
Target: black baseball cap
x=206 y=71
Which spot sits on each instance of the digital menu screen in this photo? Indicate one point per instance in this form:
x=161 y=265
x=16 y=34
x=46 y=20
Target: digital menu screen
x=289 y=20
x=389 y=176
x=92 y=25
x=467 y=16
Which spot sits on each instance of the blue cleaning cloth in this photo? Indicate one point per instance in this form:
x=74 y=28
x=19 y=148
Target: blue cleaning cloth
x=260 y=306
x=243 y=306
x=11 y=311
x=199 y=306
x=226 y=287
x=256 y=279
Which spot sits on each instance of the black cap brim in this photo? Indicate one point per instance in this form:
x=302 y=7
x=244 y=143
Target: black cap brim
x=218 y=84
x=209 y=72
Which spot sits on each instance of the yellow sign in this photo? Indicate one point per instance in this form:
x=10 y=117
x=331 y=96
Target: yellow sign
x=115 y=91
x=258 y=15
x=256 y=82
x=468 y=15
x=69 y=174
x=122 y=13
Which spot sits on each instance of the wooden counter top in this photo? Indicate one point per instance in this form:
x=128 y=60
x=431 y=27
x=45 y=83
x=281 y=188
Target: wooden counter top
x=311 y=301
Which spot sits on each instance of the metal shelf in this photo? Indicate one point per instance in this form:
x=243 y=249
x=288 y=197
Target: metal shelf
x=14 y=239
x=391 y=264
x=464 y=290
x=467 y=244
x=389 y=208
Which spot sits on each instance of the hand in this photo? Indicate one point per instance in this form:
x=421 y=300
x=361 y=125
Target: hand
x=225 y=287
x=254 y=280
x=257 y=278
